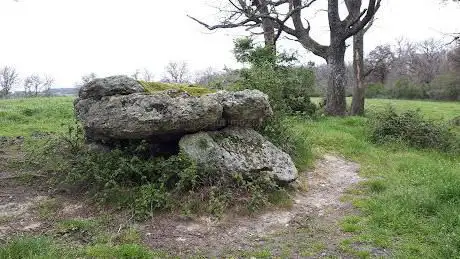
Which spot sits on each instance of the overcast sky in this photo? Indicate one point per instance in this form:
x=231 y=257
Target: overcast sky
x=70 y=38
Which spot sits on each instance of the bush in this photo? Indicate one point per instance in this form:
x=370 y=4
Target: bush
x=445 y=87
x=405 y=89
x=129 y=177
x=412 y=129
x=376 y=91
x=289 y=87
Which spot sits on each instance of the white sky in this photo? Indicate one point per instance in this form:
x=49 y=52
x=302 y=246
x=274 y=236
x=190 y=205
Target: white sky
x=70 y=38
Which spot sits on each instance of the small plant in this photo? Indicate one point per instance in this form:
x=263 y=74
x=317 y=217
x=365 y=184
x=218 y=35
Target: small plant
x=412 y=129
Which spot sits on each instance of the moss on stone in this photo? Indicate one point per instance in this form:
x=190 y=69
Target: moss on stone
x=193 y=90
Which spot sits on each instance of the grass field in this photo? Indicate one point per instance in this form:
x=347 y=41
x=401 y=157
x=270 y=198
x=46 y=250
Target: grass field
x=24 y=117
x=432 y=109
x=409 y=204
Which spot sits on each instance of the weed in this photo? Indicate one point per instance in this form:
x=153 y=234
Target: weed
x=48 y=208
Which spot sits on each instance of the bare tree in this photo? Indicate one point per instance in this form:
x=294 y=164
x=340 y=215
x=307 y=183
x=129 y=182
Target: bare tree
x=136 y=74
x=240 y=14
x=34 y=84
x=426 y=63
x=339 y=31
x=48 y=81
x=8 y=79
x=177 y=72
x=147 y=75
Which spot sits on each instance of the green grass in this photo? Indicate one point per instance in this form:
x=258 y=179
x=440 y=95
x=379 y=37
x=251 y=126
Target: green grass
x=411 y=201
x=35 y=247
x=24 y=117
x=431 y=109
x=47 y=248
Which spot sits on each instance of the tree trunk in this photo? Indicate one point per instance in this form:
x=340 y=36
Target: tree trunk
x=335 y=97
x=267 y=25
x=357 y=104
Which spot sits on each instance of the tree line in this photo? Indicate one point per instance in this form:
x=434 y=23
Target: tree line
x=33 y=85
x=429 y=69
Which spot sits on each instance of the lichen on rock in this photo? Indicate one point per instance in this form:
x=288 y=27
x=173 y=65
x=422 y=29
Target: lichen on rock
x=238 y=150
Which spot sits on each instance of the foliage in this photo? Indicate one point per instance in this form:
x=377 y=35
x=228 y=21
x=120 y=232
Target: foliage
x=191 y=89
x=128 y=177
x=376 y=90
x=406 y=89
x=411 y=128
x=289 y=87
x=445 y=87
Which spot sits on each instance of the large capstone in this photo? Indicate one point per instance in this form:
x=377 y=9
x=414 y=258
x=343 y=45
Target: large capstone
x=113 y=85
x=145 y=116
x=241 y=150
x=118 y=108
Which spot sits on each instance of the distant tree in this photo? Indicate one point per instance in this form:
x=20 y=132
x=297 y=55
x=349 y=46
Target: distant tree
x=48 y=81
x=34 y=84
x=176 y=72
x=427 y=60
x=145 y=75
x=454 y=58
x=378 y=64
x=8 y=79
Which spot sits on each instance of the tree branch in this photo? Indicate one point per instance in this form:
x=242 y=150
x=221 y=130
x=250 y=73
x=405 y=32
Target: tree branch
x=225 y=26
x=359 y=25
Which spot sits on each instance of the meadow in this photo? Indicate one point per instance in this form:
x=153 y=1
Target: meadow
x=409 y=203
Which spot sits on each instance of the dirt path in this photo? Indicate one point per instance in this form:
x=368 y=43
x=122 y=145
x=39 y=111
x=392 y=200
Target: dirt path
x=320 y=205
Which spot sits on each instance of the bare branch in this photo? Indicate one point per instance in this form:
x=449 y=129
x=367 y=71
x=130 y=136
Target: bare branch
x=224 y=26
x=373 y=7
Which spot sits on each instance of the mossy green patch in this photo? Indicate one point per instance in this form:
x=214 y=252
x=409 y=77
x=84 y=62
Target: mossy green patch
x=194 y=90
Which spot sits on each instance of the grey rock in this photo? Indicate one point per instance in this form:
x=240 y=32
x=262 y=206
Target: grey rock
x=144 y=116
x=238 y=150
x=247 y=108
x=113 y=85
x=118 y=108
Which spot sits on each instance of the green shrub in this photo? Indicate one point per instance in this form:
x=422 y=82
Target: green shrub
x=445 y=87
x=412 y=129
x=376 y=91
x=289 y=87
x=406 y=89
